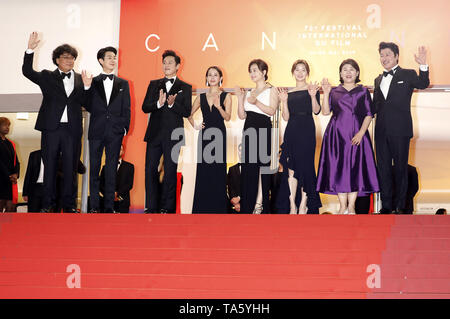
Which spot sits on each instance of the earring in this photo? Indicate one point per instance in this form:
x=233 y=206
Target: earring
x=220 y=83
x=207 y=83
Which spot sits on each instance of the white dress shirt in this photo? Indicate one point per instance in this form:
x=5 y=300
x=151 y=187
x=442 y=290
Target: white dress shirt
x=69 y=84
x=41 y=173
x=108 y=85
x=386 y=80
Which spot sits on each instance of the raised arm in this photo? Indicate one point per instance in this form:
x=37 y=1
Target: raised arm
x=195 y=107
x=182 y=106
x=326 y=87
x=283 y=98
x=240 y=94
x=226 y=114
x=422 y=81
x=152 y=97
x=268 y=109
x=27 y=66
x=313 y=90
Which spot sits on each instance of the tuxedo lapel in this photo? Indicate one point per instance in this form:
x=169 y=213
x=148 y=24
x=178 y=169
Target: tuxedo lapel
x=393 y=81
x=100 y=87
x=115 y=89
x=59 y=81
x=76 y=83
x=175 y=87
x=162 y=86
x=377 y=89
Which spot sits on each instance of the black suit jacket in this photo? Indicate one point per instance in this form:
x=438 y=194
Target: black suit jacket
x=32 y=173
x=124 y=181
x=115 y=114
x=394 y=112
x=164 y=120
x=55 y=99
x=34 y=168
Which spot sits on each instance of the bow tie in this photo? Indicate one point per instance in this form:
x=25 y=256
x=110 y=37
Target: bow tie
x=167 y=80
x=109 y=76
x=63 y=75
x=391 y=72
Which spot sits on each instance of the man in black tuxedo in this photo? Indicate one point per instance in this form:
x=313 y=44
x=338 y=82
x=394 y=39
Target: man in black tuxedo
x=394 y=129
x=33 y=187
x=108 y=101
x=124 y=184
x=59 y=118
x=168 y=100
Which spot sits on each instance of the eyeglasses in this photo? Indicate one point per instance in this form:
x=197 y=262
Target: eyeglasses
x=66 y=57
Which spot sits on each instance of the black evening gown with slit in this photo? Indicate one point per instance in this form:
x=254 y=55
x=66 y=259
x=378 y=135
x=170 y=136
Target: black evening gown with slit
x=210 y=195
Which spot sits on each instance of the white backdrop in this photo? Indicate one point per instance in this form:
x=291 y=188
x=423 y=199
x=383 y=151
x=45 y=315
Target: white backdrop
x=86 y=24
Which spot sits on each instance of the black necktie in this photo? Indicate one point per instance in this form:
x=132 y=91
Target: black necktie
x=167 y=80
x=110 y=76
x=63 y=75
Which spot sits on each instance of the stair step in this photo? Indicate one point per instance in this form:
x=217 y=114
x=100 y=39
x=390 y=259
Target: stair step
x=422 y=220
x=28 y=292
x=118 y=229
x=426 y=231
x=416 y=257
x=341 y=271
x=208 y=219
x=176 y=241
x=280 y=256
x=418 y=244
x=414 y=285
x=186 y=282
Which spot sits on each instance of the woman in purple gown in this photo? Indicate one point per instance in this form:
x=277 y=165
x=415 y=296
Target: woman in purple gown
x=347 y=164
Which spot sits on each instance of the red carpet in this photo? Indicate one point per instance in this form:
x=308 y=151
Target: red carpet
x=223 y=256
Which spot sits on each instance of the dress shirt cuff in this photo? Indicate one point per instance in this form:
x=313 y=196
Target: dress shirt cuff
x=170 y=106
x=29 y=51
x=159 y=105
x=125 y=132
x=423 y=67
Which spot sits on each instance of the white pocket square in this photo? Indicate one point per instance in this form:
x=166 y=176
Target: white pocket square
x=179 y=91
x=121 y=90
x=400 y=82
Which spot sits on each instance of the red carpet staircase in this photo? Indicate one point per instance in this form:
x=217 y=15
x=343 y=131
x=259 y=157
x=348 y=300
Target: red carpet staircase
x=223 y=256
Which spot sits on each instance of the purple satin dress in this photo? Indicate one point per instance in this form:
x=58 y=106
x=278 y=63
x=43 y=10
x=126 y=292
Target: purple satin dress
x=343 y=167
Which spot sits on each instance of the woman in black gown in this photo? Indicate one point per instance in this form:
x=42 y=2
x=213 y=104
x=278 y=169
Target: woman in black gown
x=210 y=194
x=299 y=142
x=9 y=169
x=256 y=106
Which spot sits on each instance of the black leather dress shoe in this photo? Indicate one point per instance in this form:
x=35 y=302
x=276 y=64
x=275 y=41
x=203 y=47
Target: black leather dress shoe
x=399 y=211
x=385 y=211
x=163 y=211
x=93 y=211
x=47 y=210
x=70 y=210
